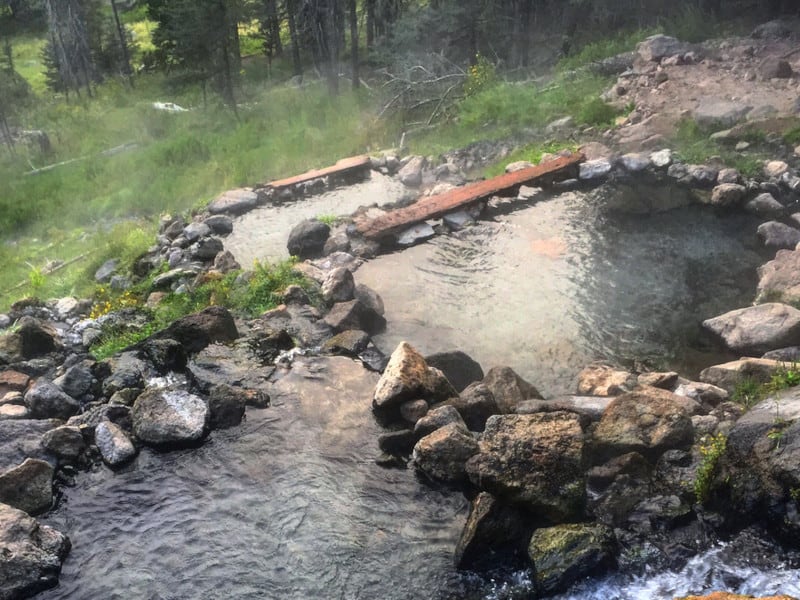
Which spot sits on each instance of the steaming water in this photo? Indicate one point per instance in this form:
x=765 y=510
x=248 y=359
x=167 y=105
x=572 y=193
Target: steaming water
x=548 y=289
x=290 y=505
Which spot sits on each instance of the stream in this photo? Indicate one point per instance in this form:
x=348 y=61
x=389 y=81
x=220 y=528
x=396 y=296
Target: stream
x=291 y=505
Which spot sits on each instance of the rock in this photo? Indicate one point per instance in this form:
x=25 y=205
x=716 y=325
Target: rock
x=413 y=410
x=456 y=221
x=764 y=205
x=518 y=166
x=65 y=442
x=774 y=68
x=727 y=194
x=493 y=534
x=509 y=389
x=369 y=298
x=775 y=168
x=397 y=443
x=408 y=377
x=236 y=366
x=46 y=401
x=476 y=404
x=166 y=355
x=226 y=405
x=349 y=343
x=603 y=380
x=115 y=446
x=194 y=231
x=594 y=169
x=21 y=439
x=459 y=368
x=31 y=339
x=780 y=277
x=106 y=270
x=790 y=354
x=30 y=554
x=589 y=408
x=728 y=176
x=14 y=411
x=647 y=420
x=662 y=158
x=28 y=487
x=77 y=381
x=561 y=125
x=545 y=477
x=443 y=454
x=196 y=331
x=757 y=329
x=416 y=234
x=354 y=315
x=225 y=262
x=635 y=162
x=219 y=224
x=295 y=294
x=437 y=418
x=702 y=176
x=665 y=381
x=703 y=393
x=712 y=112
x=772 y=30
x=728 y=375
x=234 y=202
x=173 y=276
x=411 y=173
x=162 y=417
x=659 y=46
x=563 y=554
x=307 y=238
x=67 y=307
x=339 y=285
x=728 y=596
x=13 y=381
x=128 y=371
x=301 y=322
x=206 y=249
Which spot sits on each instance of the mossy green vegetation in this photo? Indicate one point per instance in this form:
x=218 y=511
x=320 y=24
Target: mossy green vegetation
x=711 y=450
x=693 y=144
x=750 y=391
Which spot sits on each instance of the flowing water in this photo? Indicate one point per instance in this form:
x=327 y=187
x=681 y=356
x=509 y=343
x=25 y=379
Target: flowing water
x=290 y=505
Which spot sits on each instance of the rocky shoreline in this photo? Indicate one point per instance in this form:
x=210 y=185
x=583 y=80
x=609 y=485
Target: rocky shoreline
x=570 y=487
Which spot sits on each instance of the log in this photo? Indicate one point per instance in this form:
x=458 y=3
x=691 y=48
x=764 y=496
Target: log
x=342 y=167
x=436 y=206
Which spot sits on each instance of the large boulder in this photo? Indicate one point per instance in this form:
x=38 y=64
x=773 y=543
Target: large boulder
x=164 y=417
x=535 y=462
x=659 y=46
x=443 y=454
x=459 y=368
x=46 y=401
x=604 y=380
x=31 y=338
x=226 y=405
x=493 y=534
x=563 y=554
x=65 y=442
x=21 y=439
x=30 y=554
x=712 y=112
x=28 y=487
x=234 y=202
x=354 y=314
x=780 y=277
x=307 y=238
x=509 y=389
x=757 y=329
x=77 y=381
x=128 y=372
x=339 y=285
x=411 y=173
x=237 y=366
x=475 y=405
x=727 y=194
x=728 y=375
x=196 y=331
x=647 y=420
x=437 y=418
x=408 y=377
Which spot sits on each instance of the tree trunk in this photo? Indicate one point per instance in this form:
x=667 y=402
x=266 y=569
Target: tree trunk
x=331 y=38
x=291 y=14
x=123 y=45
x=370 y=4
x=354 y=44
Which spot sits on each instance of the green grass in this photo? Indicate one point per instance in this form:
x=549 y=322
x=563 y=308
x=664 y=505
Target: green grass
x=694 y=145
x=750 y=391
x=27 y=52
x=531 y=152
x=597 y=50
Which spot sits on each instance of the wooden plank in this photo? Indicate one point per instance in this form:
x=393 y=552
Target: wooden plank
x=436 y=206
x=342 y=167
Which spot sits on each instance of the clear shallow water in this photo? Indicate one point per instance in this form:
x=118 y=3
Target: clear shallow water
x=290 y=505
x=550 y=288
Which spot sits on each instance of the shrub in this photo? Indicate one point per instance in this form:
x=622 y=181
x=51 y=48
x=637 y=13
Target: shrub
x=710 y=452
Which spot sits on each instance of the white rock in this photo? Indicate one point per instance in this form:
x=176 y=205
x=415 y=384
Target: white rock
x=594 y=169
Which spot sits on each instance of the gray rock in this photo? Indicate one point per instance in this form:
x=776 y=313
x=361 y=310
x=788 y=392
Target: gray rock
x=354 y=315
x=728 y=176
x=349 y=343
x=67 y=307
x=780 y=277
x=701 y=176
x=589 y=408
x=728 y=375
x=397 y=443
x=546 y=477
x=128 y=371
x=194 y=231
x=712 y=112
x=234 y=202
x=220 y=364
x=459 y=368
x=21 y=439
x=369 y=298
x=65 y=442
x=106 y=270
x=205 y=249
x=704 y=393
x=77 y=381
x=790 y=354
x=727 y=194
x=775 y=68
x=46 y=401
x=413 y=410
x=28 y=487
x=476 y=404
x=162 y=417
x=32 y=338
x=443 y=454
x=307 y=238
x=32 y=554
x=14 y=411
x=775 y=168
x=411 y=173
x=219 y=224
x=662 y=158
x=594 y=169
x=118 y=414
x=226 y=405
x=115 y=446
x=778 y=235
x=764 y=205
x=561 y=125
x=416 y=234
x=437 y=418
x=659 y=46
x=757 y=329
x=339 y=285
x=518 y=166
x=225 y=262
x=172 y=276
x=635 y=162
x=456 y=221
x=198 y=330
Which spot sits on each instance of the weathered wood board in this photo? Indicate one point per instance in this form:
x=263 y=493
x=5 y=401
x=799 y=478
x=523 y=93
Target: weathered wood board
x=345 y=166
